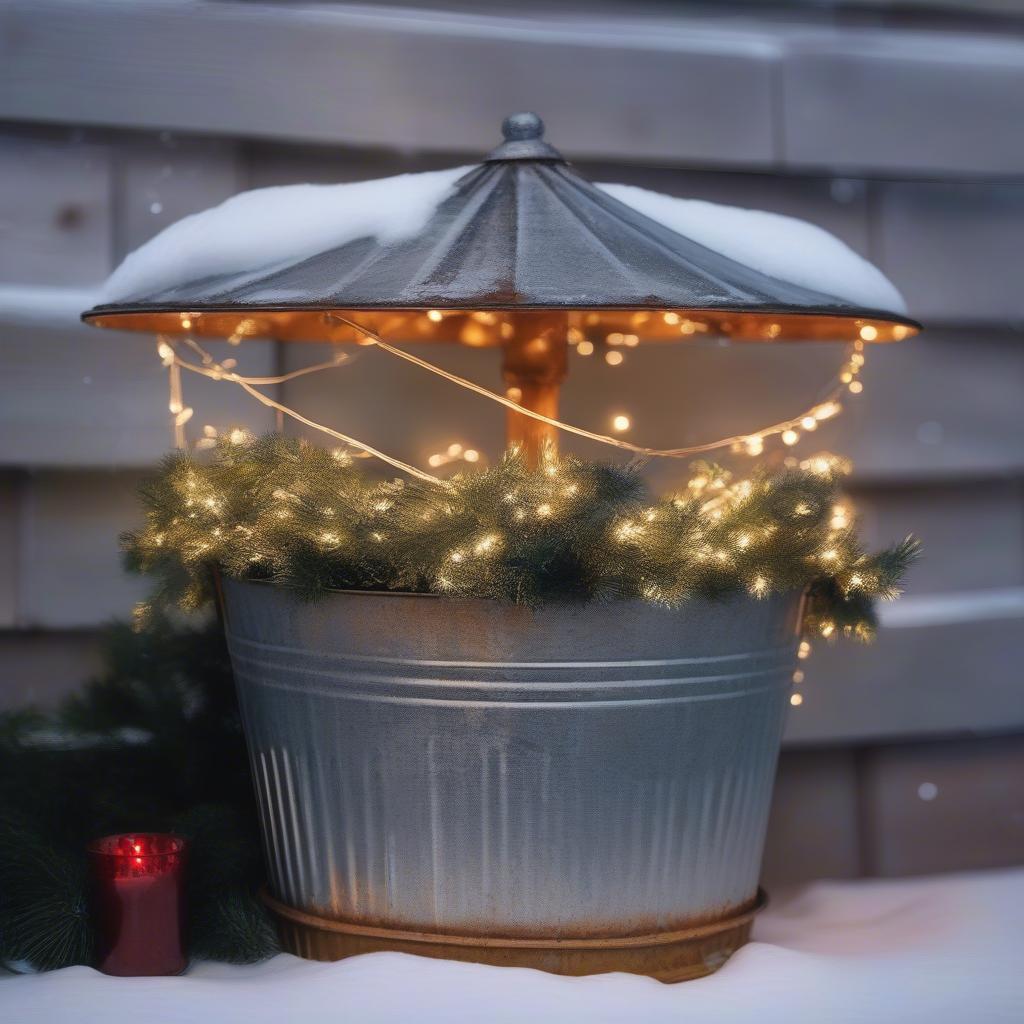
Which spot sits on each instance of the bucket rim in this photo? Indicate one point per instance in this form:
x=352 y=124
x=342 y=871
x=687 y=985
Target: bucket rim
x=336 y=591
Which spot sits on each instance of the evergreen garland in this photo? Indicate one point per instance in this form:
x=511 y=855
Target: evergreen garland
x=153 y=744
x=305 y=518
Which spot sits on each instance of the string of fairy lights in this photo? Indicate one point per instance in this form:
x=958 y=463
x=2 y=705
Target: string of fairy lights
x=305 y=518
x=789 y=432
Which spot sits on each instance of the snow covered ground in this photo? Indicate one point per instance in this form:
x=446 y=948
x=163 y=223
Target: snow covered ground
x=946 y=950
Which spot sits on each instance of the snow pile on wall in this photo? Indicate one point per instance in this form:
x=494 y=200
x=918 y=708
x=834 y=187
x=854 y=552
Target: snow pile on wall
x=783 y=247
x=41 y=305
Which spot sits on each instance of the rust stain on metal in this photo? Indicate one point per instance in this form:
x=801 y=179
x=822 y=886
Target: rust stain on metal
x=668 y=956
x=500 y=928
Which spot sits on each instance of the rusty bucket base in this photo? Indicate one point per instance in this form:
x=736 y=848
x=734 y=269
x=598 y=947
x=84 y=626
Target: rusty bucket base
x=667 y=956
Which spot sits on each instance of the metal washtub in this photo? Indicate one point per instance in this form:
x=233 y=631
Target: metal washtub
x=580 y=789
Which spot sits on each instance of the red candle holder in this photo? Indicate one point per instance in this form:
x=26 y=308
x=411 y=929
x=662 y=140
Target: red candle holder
x=139 y=899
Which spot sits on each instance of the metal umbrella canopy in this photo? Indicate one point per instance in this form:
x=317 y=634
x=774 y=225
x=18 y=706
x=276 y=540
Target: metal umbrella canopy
x=523 y=254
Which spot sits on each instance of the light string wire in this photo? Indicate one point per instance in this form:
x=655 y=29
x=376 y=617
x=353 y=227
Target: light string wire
x=827 y=406
x=209 y=361
x=215 y=371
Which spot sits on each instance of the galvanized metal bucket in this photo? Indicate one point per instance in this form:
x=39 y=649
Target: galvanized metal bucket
x=579 y=789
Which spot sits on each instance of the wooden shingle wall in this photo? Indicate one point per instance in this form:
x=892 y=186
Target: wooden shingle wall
x=830 y=125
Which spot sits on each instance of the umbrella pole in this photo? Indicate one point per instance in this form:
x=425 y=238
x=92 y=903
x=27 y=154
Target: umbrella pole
x=535 y=364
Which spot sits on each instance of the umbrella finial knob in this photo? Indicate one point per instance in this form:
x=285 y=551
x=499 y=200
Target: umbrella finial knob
x=524 y=140
x=523 y=126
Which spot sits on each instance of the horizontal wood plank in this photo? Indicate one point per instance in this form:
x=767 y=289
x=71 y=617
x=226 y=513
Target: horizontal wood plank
x=685 y=87
x=908 y=102
x=950 y=678
x=162 y=178
x=55 y=218
x=934 y=807
x=391 y=77
x=71 y=569
x=77 y=396
x=41 y=667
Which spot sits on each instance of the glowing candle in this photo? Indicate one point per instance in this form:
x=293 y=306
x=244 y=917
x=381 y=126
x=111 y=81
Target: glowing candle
x=139 y=901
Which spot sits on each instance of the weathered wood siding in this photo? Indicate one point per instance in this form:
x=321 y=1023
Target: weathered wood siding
x=902 y=139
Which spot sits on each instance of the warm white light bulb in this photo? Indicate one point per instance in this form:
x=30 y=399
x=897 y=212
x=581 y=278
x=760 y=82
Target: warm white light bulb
x=620 y=423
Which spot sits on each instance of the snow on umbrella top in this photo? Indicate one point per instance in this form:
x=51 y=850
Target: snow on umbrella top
x=437 y=255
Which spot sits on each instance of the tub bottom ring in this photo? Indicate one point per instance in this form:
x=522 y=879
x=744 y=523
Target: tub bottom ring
x=668 y=956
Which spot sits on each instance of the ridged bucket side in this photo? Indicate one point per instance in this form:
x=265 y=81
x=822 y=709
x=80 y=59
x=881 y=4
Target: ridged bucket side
x=462 y=767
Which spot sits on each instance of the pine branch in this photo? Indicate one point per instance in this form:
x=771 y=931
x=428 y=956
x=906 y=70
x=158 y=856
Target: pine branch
x=153 y=744
x=282 y=510
x=44 y=910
